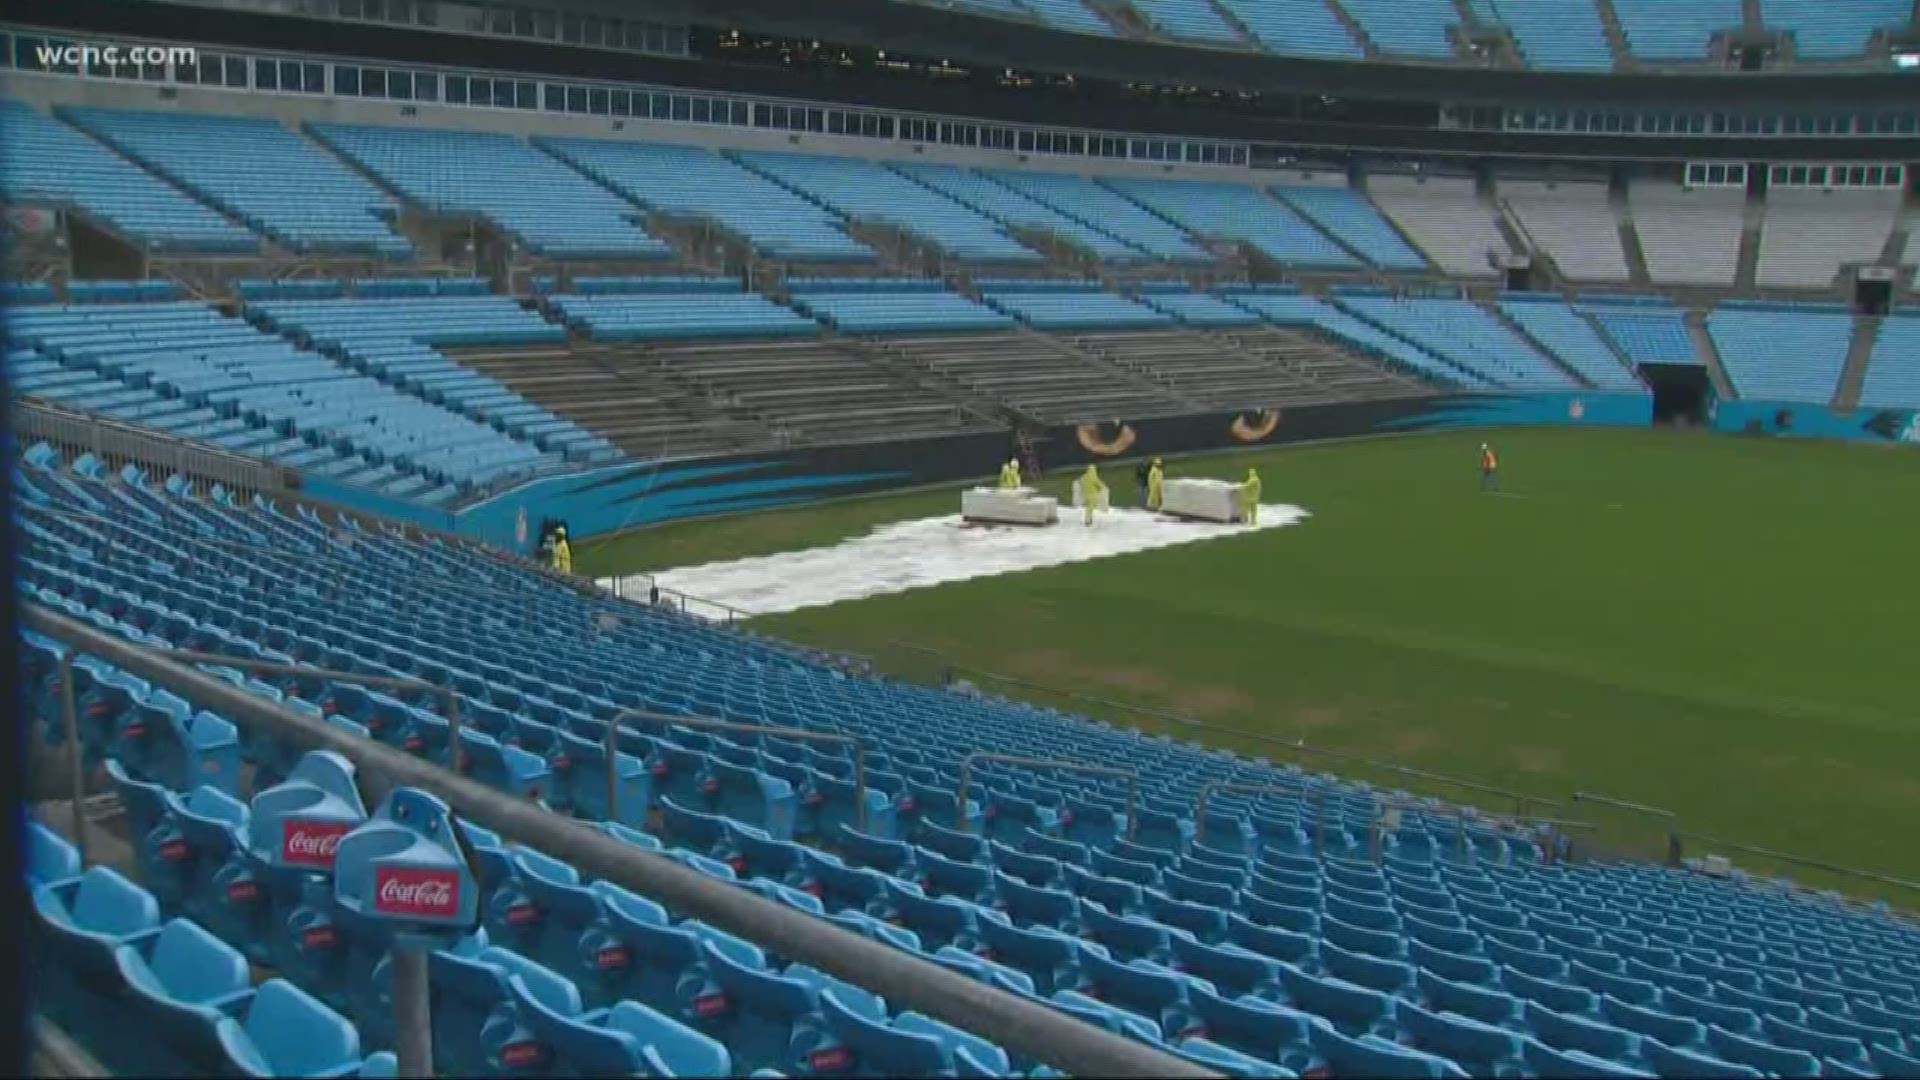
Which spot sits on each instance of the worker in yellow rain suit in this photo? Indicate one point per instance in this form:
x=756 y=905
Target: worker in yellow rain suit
x=1010 y=475
x=1091 y=488
x=1156 y=481
x=562 y=551
x=1250 y=499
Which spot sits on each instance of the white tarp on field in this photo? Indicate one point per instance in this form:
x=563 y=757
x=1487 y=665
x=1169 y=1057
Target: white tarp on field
x=933 y=551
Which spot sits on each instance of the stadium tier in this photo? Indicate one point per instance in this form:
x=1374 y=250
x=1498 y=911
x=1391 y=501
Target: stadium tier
x=1463 y=333
x=1690 y=236
x=1349 y=218
x=551 y=209
x=1446 y=217
x=1572 y=223
x=866 y=191
x=1297 y=28
x=51 y=164
x=1645 y=333
x=1782 y=354
x=1015 y=210
x=1084 y=201
x=275 y=180
x=1075 y=309
x=1190 y=20
x=1200 y=309
x=1275 y=944
x=1661 y=30
x=194 y=373
x=394 y=341
x=1834 y=29
x=1553 y=35
x=1414 y=29
x=1069 y=15
x=1560 y=329
x=684 y=181
x=1893 y=367
x=664 y=315
x=896 y=310
x=1293 y=309
x=1808 y=236
x=1243 y=214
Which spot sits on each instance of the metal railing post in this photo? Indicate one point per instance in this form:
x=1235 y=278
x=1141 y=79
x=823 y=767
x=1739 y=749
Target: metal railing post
x=966 y=775
x=412 y=1013
x=1672 y=819
x=706 y=723
x=70 y=721
x=1319 y=822
x=1206 y=795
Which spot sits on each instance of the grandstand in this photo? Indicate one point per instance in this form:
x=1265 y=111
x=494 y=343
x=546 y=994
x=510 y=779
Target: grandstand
x=1242 y=214
x=1809 y=235
x=550 y=209
x=1689 y=236
x=1573 y=223
x=1782 y=353
x=307 y=369
x=1276 y=933
x=1446 y=217
x=261 y=173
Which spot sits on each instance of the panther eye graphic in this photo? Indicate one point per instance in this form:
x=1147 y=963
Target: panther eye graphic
x=1252 y=427
x=1107 y=439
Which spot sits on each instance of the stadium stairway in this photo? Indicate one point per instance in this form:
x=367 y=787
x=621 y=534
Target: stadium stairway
x=1274 y=943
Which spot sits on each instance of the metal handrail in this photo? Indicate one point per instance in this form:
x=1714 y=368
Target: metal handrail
x=1672 y=819
x=707 y=724
x=1206 y=793
x=966 y=778
x=1801 y=860
x=1026 y=1027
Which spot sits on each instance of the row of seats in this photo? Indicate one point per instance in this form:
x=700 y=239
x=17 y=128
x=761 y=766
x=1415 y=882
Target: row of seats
x=545 y=206
x=660 y=316
x=899 y=312
x=1076 y=310
x=865 y=191
x=1237 y=213
x=1463 y=333
x=1782 y=355
x=1893 y=367
x=273 y=179
x=187 y=370
x=50 y=163
x=684 y=181
x=1561 y=329
x=1457 y=952
x=399 y=342
x=1646 y=334
x=1553 y=35
x=1834 y=29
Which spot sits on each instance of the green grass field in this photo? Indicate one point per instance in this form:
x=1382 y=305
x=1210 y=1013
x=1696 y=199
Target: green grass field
x=1719 y=626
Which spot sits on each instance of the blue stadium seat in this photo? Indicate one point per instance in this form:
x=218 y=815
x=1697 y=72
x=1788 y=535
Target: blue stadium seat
x=286 y=1032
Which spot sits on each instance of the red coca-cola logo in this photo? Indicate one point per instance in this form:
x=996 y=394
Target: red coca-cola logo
x=836 y=1059
x=522 y=1055
x=243 y=892
x=173 y=851
x=401 y=890
x=707 y=1006
x=522 y=914
x=658 y=768
x=318 y=938
x=311 y=843
x=612 y=958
